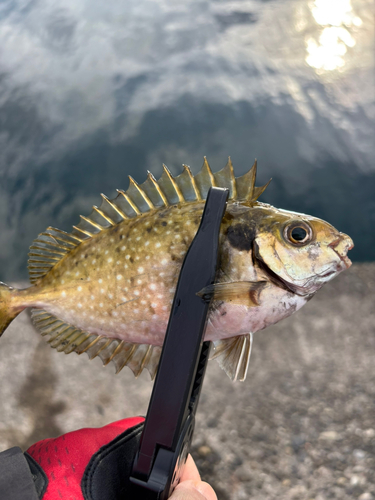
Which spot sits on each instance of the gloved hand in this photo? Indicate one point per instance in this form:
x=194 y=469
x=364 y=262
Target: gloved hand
x=95 y=464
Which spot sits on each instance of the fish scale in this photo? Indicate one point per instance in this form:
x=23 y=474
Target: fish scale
x=107 y=287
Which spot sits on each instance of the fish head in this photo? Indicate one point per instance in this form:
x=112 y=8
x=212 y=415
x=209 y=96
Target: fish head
x=300 y=251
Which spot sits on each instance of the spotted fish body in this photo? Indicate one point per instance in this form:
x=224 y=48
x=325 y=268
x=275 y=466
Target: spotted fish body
x=107 y=287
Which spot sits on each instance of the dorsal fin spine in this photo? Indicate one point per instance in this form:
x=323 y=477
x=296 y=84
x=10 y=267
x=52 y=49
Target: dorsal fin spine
x=114 y=207
x=209 y=171
x=94 y=224
x=193 y=183
x=83 y=231
x=174 y=184
x=158 y=188
x=130 y=201
x=142 y=193
x=105 y=216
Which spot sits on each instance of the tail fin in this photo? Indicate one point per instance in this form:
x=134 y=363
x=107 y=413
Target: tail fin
x=7 y=314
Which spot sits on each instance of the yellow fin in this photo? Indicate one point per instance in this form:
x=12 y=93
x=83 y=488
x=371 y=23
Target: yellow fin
x=66 y=338
x=236 y=292
x=47 y=249
x=233 y=355
x=52 y=245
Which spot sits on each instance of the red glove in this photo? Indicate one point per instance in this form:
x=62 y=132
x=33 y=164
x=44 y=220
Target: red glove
x=88 y=464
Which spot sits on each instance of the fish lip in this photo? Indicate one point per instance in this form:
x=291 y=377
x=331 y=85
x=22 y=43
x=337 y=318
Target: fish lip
x=344 y=258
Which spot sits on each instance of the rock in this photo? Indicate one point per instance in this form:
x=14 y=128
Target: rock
x=329 y=436
x=204 y=451
x=366 y=496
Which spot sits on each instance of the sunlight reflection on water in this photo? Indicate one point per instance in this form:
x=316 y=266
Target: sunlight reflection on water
x=336 y=17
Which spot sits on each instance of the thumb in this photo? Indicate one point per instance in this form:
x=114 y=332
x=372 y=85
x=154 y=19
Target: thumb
x=193 y=490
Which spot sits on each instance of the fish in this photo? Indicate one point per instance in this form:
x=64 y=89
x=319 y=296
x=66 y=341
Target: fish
x=107 y=287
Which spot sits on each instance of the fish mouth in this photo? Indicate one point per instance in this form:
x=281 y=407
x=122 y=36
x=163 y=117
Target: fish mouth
x=341 y=247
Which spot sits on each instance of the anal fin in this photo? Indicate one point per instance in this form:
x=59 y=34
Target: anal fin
x=66 y=338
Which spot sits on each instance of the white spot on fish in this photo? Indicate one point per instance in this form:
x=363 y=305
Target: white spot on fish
x=62 y=282
x=102 y=290
x=138 y=238
x=127 y=257
x=164 y=308
x=92 y=297
x=139 y=282
x=79 y=289
x=147 y=257
x=136 y=292
x=106 y=252
x=100 y=280
x=140 y=269
x=101 y=304
x=110 y=296
x=123 y=248
x=110 y=260
x=79 y=305
x=147 y=243
x=164 y=261
x=119 y=277
x=77 y=273
x=114 y=313
x=158 y=244
x=154 y=305
x=155 y=316
x=93 y=262
x=63 y=294
x=152 y=286
x=136 y=311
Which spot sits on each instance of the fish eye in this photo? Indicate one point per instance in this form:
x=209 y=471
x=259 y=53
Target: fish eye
x=299 y=233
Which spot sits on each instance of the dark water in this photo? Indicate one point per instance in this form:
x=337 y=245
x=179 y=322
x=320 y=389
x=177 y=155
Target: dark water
x=93 y=91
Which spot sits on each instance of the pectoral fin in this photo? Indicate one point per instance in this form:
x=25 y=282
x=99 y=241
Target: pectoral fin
x=237 y=292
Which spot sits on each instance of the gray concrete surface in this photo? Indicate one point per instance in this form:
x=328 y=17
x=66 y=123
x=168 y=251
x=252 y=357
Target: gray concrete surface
x=301 y=427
